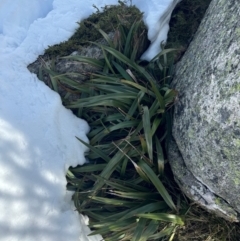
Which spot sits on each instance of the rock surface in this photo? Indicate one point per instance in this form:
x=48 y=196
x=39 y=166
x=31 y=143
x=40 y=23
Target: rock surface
x=73 y=69
x=205 y=152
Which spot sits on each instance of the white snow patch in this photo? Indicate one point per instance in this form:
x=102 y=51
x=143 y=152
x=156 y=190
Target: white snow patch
x=37 y=134
x=156 y=16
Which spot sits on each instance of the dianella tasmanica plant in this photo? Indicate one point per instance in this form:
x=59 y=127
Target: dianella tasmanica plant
x=127 y=104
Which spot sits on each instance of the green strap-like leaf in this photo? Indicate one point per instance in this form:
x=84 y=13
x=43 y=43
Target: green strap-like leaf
x=139 y=87
x=163 y=233
x=147 y=131
x=155 y=125
x=158 y=184
x=139 y=229
x=148 y=208
x=163 y=217
x=109 y=169
x=122 y=71
x=89 y=168
x=112 y=201
x=87 y=60
x=160 y=157
x=95 y=150
x=150 y=230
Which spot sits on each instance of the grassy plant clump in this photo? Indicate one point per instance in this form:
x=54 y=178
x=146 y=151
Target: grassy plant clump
x=128 y=107
x=126 y=188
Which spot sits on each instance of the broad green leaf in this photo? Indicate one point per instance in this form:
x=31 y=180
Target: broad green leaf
x=138 y=86
x=109 y=41
x=109 y=169
x=121 y=57
x=127 y=124
x=115 y=96
x=122 y=71
x=124 y=167
x=105 y=35
x=147 y=131
x=94 y=214
x=134 y=106
x=115 y=216
x=148 y=208
x=87 y=60
x=143 y=144
x=95 y=150
x=139 y=229
x=170 y=96
x=158 y=184
x=155 y=125
x=160 y=157
x=163 y=52
x=163 y=217
x=140 y=172
x=54 y=80
x=125 y=185
x=111 y=201
x=117 y=185
x=158 y=95
x=150 y=230
x=95 y=130
x=40 y=73
x=105 y=102
x=122 y=34
x=129 y=38
x=107 y=61
x=70 y=174
x=163 y=233
x=154 y=107
x=89 y=168
x=109 y=117
x=136 y=195
x=123 y=225
x=135 y=50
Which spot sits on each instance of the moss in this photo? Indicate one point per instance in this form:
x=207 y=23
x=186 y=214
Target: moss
x=108 y=20
x=191 y=133
x=237 y=32
x=217 y=201
x=235 y=88
x=236 y=177
x=184 y=22
x=236 y=181
x=236 y=142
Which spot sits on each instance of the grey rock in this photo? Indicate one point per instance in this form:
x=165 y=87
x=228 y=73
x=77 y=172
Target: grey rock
x=75 y=70
x=196 y=189
x=206 y=125
x=66 y=65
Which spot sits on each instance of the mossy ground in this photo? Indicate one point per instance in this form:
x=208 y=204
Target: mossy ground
x=104 y=19
x=200 y=225
x=184 y=23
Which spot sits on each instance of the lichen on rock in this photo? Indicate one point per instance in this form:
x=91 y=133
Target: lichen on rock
x=207 y=118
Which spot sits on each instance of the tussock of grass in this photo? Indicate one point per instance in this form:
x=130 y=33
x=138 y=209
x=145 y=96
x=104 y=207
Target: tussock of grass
x=128 y=109
x=127 y=189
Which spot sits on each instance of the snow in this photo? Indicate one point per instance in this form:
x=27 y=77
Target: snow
x=37 y=134
x=156 y=16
